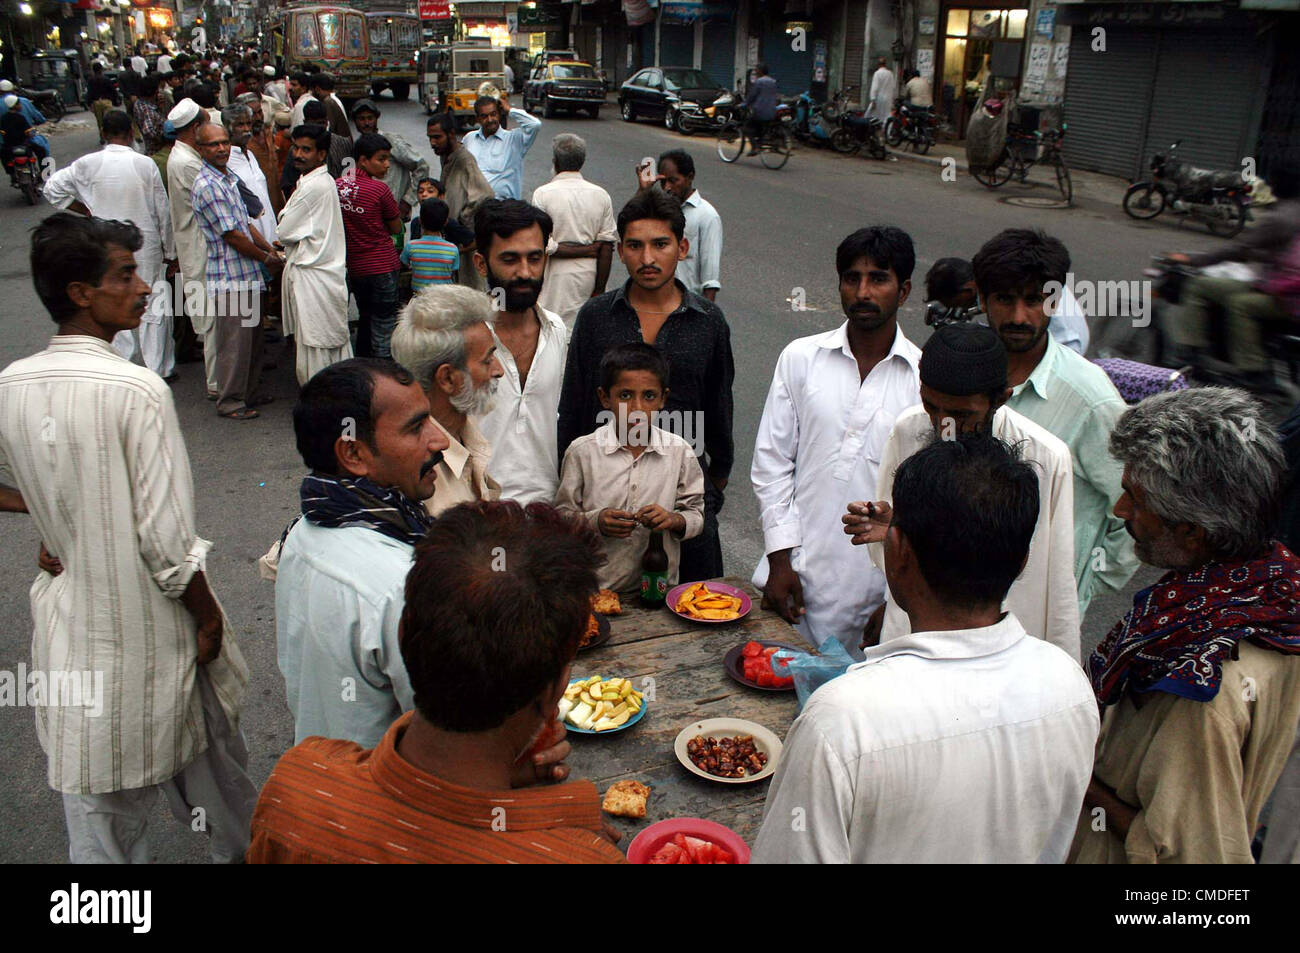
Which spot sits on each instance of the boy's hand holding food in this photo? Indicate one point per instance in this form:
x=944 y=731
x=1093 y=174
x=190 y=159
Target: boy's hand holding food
x=616 y=523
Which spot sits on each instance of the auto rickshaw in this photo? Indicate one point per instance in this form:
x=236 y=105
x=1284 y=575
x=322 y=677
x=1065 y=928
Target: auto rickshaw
x=60 y=71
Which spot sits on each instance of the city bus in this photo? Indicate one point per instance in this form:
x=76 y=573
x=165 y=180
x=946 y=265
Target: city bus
x=332 y=39
x=394 y=42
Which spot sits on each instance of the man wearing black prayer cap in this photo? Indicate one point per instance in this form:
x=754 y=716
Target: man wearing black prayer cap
x=964 y=390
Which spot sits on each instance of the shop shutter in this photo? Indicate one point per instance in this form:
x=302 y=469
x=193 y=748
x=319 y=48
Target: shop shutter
x=1106 y=100
x=791 y=69
x=855 y=48
x=719 y=54
x=676 y=45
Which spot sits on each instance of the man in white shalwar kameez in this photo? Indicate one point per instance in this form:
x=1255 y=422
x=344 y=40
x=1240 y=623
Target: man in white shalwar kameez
x=314 y=286
x=119 y=183
x=183 y=165
x=884 y=90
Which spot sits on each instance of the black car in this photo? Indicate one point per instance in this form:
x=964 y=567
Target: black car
x=676 y=95
x=571 y=86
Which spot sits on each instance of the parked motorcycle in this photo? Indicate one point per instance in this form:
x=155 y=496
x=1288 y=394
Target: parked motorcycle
x=24 y=169
x=1217 y=198
x=48 y=101
x=914 y=124
x=810 y=124
x=858 y=131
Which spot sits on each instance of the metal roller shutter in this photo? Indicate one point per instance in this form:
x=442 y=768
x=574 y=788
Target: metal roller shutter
x=791 y=69
x=719 y=55
x=855 y=48
x=1205 y=94
x=1106 y=100
x=676 y=45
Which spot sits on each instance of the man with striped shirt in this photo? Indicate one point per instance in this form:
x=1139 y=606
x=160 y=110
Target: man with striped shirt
x=460 y=778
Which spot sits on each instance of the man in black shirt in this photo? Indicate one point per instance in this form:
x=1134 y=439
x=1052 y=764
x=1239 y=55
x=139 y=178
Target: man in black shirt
x=101 y=95
x=691 y=331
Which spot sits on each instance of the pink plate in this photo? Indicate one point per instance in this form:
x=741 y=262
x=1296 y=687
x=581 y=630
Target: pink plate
x=721 y=588
x=647 y=843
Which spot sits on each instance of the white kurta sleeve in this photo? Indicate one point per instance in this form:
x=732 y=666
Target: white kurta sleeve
x=161 y=209
x=776 y=449
x=61 y=188
x=710 y=251
x=1063 y=597
x=810 y=804
x=295 y=219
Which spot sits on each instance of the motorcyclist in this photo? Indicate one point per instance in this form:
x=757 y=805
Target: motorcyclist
x=17 y=132
x=1249 y=305
x=761 y=101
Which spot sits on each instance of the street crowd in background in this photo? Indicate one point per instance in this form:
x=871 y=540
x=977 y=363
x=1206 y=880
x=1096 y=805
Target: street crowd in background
x=942 y=514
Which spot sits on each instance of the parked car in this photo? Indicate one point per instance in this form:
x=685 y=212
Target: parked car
x=553 y=56
x=675 y=95
x=572 y=86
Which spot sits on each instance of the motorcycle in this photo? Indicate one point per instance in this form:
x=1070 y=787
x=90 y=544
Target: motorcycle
x=810 y=124
x=48 y=101
x=1220 y=199
x=938 y=314
x=858 y=130
x=25 y=172
x=915 y=124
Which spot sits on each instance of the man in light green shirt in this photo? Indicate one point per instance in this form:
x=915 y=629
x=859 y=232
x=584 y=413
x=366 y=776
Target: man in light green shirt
x=1062 y=392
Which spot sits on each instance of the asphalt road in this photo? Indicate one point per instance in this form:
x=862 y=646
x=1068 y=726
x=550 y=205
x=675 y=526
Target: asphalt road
x=781 y=229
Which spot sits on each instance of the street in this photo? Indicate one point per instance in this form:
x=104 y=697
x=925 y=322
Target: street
x=781 y=230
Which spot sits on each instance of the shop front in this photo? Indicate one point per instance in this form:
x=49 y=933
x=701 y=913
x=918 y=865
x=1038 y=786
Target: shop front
x=976 y=43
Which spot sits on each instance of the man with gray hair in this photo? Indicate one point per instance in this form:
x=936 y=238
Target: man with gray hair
x=238 y=120
x=582 y=246
x=444 y=337
x=1199 y=684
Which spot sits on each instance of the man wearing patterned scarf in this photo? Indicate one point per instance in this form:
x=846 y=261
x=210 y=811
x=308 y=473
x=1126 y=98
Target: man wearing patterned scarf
x=1199 y=684
x=363 y=429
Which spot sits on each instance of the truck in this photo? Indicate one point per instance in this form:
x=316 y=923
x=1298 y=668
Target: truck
x=330 y=38
x=394 y=45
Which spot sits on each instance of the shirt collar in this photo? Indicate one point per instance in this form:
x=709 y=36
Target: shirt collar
x=568 y=175
x=574 y=804
x=83 y=342
x=1043 y=372
x=689 y=298
x=607 y=439
x=838 y=340
x=694 y=199
x=951 y=643
x=458 y=454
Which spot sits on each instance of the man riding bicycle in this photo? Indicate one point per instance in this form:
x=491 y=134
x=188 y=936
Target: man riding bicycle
x=761 y=102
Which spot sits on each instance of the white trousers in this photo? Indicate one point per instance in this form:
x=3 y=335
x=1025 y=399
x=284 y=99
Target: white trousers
x=212 y=794
x=309 y=360
x=149 y=345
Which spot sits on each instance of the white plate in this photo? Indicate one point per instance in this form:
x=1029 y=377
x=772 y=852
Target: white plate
x=764 y=740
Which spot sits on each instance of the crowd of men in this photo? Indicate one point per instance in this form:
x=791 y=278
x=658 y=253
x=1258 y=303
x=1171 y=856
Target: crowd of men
x=495 y=429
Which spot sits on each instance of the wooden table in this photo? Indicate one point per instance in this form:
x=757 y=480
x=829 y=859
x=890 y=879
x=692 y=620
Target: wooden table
x=690 y=683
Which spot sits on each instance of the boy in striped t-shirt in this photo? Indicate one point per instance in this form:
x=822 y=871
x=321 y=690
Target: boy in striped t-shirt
x=431 y=258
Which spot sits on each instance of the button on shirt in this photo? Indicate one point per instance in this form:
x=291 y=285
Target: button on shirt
x=339 y=593
x=702 y=267
x=521 y=428
x=1043 y=595
x=818 y=448
x=697 y=342
x=966 y=746
x=1074 y=399
x=600 y=473
x=219 y=208
x=366 y=204
x=500 y=156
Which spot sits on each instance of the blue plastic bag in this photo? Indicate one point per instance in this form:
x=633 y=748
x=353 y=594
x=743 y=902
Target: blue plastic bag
x=810 y=671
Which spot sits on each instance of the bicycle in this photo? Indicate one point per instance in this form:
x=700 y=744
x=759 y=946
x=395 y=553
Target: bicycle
x=774 y=145
x=1023 y=151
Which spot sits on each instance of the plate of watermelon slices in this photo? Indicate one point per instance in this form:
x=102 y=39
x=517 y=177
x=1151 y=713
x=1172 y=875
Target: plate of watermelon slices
x=687 y=840
x=751 y=665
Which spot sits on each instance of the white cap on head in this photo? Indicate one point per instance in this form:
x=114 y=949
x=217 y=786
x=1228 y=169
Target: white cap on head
x=6 y=86
x=268 y=70
x=10 y=101
x=183 y=113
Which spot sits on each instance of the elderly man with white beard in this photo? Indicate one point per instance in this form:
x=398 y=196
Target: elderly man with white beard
x=444 y=337
x=238 y=120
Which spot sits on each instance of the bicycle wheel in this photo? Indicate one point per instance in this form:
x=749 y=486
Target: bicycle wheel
x=1063 y=180
x=731 y=141
x=1143 y=200
x=774 y=151
x=997 y=174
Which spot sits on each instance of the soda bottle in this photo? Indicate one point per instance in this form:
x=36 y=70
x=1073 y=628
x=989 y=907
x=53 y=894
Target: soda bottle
x=654 y=572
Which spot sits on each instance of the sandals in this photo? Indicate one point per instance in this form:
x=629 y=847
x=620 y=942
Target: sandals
x=244 y=413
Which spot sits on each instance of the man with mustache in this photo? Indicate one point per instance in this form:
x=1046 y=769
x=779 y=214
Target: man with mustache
x=654 y=307
x=314 y=289
x=464 y=185
x=95 y=448
x=445 y=337
x=364 y=431
x=511 y=237
x=1061 y=392
x=833 y=401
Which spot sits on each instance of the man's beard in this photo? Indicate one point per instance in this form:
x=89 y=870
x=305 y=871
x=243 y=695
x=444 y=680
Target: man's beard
x=475 y=402
x=1161 y=551
x=1018 y=343
x=521 y=294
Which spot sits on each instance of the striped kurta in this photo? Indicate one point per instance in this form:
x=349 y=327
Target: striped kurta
x=335 y=802
x=94 y=445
